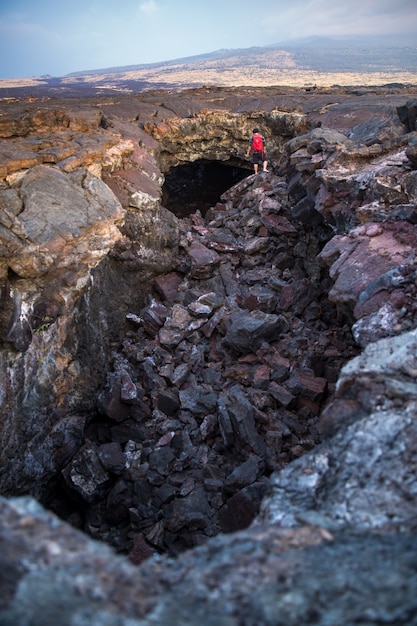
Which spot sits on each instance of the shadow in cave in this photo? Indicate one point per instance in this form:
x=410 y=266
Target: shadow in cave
x=198 y=186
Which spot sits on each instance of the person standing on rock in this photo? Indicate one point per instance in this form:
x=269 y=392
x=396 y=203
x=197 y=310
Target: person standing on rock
x=257 y=148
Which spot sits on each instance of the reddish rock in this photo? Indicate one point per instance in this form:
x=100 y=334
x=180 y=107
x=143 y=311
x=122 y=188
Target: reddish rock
x=278 y=224
x=281 y=394
x=304 y=383
x=180 y=408
x=203 y=260
x=279 y=365
x=238 y=513
x=153 y=316
x=366 y=258
x=167 y=285
x=110 y=400
x=140 y=551
x=260 y=376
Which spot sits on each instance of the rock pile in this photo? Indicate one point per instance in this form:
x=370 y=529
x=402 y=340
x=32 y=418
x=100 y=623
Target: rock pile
x=225 y=371
x=219 y=382
x=363 y=184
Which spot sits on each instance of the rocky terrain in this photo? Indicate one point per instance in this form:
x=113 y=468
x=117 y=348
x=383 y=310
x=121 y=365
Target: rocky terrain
x=227 y=398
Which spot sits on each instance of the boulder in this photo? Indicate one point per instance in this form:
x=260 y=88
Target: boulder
x=246 y=331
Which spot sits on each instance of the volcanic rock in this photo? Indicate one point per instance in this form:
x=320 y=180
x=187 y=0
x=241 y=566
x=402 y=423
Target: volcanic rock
x=249 y=372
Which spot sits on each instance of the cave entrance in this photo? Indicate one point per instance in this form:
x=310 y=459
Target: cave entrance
x=198 y=186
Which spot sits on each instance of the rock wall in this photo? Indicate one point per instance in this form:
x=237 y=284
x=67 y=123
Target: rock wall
x=222 y=135
x=62 y=252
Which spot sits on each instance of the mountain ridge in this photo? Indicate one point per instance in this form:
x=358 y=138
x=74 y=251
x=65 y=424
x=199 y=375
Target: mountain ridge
x=354 y=43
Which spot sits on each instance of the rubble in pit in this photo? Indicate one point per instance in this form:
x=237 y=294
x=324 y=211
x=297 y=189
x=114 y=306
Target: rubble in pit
x=219 y=382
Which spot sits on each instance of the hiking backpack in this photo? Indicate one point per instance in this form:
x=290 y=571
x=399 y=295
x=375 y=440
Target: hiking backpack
x=257 y=143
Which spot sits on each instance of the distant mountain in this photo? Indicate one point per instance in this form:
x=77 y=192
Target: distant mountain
x=357 y=53
x=217 y=55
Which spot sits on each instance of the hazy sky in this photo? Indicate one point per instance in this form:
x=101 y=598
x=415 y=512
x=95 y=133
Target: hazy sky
x=57 y=37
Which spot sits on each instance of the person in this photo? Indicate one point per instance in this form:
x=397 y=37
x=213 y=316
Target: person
x=257 y=148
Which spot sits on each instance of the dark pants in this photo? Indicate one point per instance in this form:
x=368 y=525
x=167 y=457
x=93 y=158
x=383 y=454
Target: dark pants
x=258 y=157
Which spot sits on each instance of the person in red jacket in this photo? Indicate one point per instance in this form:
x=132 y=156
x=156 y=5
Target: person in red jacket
x=257 y=148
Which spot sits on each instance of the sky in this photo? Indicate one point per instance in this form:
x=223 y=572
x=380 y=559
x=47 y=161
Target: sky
x=57 y=37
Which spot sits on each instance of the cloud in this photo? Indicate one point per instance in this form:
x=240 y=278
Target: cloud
x=149 y=7
x=303 y=18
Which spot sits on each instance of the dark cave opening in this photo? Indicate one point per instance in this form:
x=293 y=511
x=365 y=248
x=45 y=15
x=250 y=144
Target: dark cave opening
x=198 y=186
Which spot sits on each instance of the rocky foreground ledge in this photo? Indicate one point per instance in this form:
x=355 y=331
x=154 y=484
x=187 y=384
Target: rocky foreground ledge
x=335 y=542
x=314 y=265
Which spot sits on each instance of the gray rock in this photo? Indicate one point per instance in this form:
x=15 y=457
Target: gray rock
x=246 y=331
x=341 y=479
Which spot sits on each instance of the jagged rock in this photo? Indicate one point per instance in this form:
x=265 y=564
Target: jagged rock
x=167 y=285
x=112 y=457
x=376 y=131
x=238 y=512
x=281 y=394
x=153 y=316
x=377 y=570
x=168 y=401
x=86 y=475
x=184 y=140
x=110 y=401
x=246 y=331
x=278 y=224
x=379 y=435
x=408 y=115
x=197 y=400
x=140 y=551
x=411 y=153
x=243 y=475
x=15 y=157
x=366 y=255
x=242 y=417
x=203 y=260
x=303 y=382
